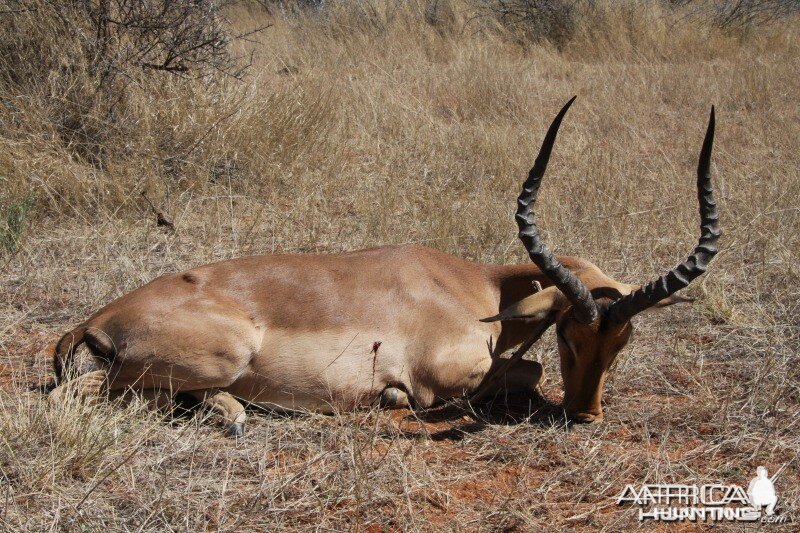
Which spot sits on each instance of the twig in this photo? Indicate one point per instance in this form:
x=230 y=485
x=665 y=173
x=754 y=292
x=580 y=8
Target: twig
x=161 y=218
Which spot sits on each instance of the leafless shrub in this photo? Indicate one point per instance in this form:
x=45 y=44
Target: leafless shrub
x=188 y=37
x=441 y=15
x=535 y=21
x=348 y=18
x=85 y=53
x=740 y=14
x=754 y=13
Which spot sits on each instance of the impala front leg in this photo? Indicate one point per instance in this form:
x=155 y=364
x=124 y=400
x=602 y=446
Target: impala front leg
x=522 y=376
x=225 y=405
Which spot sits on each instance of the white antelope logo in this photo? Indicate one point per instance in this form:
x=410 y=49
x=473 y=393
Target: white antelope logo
x=399 y=324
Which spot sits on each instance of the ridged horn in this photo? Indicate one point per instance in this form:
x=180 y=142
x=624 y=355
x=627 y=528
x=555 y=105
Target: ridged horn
x=584 y=307
x=697 y=263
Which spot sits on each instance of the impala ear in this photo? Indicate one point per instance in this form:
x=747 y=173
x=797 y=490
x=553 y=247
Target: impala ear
x=533 y=308
x=671 y=300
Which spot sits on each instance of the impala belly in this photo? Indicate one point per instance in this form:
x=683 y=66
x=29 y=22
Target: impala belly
x=321 y=370
x=343 y=369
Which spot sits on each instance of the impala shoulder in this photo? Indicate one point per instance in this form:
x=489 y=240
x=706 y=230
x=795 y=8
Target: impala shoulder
x=578 y=264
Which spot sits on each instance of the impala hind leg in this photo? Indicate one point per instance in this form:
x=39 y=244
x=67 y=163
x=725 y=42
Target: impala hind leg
x=90 y=386
x=226 y=406
x=393 y=398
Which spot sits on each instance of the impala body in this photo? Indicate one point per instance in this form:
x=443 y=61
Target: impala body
x=400 y=325
x=315 y=331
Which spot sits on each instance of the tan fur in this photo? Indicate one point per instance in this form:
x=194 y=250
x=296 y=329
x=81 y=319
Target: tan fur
x=322 y=332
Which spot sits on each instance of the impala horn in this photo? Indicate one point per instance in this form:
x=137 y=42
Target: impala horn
x=584 y=307
x=679 y=277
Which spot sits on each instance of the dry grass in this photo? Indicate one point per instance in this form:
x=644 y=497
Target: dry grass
x=378 y=124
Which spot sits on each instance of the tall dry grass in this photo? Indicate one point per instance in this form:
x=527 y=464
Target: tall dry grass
x=377 y=122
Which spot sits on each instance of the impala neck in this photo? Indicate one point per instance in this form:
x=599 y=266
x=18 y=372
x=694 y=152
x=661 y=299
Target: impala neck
x=513 y=283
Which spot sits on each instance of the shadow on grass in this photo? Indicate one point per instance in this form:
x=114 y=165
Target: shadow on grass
x=503 y=409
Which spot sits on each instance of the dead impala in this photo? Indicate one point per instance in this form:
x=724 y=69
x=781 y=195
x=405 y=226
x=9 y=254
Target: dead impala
x=396 y=324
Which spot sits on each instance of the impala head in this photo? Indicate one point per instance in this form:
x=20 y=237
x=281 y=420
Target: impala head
x=593 y=313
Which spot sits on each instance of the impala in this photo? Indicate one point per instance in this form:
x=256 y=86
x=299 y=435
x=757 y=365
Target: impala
x=399 y=325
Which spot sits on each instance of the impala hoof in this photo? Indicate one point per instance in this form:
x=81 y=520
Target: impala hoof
x=586 y=418
x=393 y=397
x=235 y=430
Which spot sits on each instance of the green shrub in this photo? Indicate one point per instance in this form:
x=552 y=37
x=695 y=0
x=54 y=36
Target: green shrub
x=12 y=221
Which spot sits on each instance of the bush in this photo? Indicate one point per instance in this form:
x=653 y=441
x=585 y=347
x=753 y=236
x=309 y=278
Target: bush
x=12 y=221
x=745 y=14
x=118 y=37
x=84 y=53
x=535 y=21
